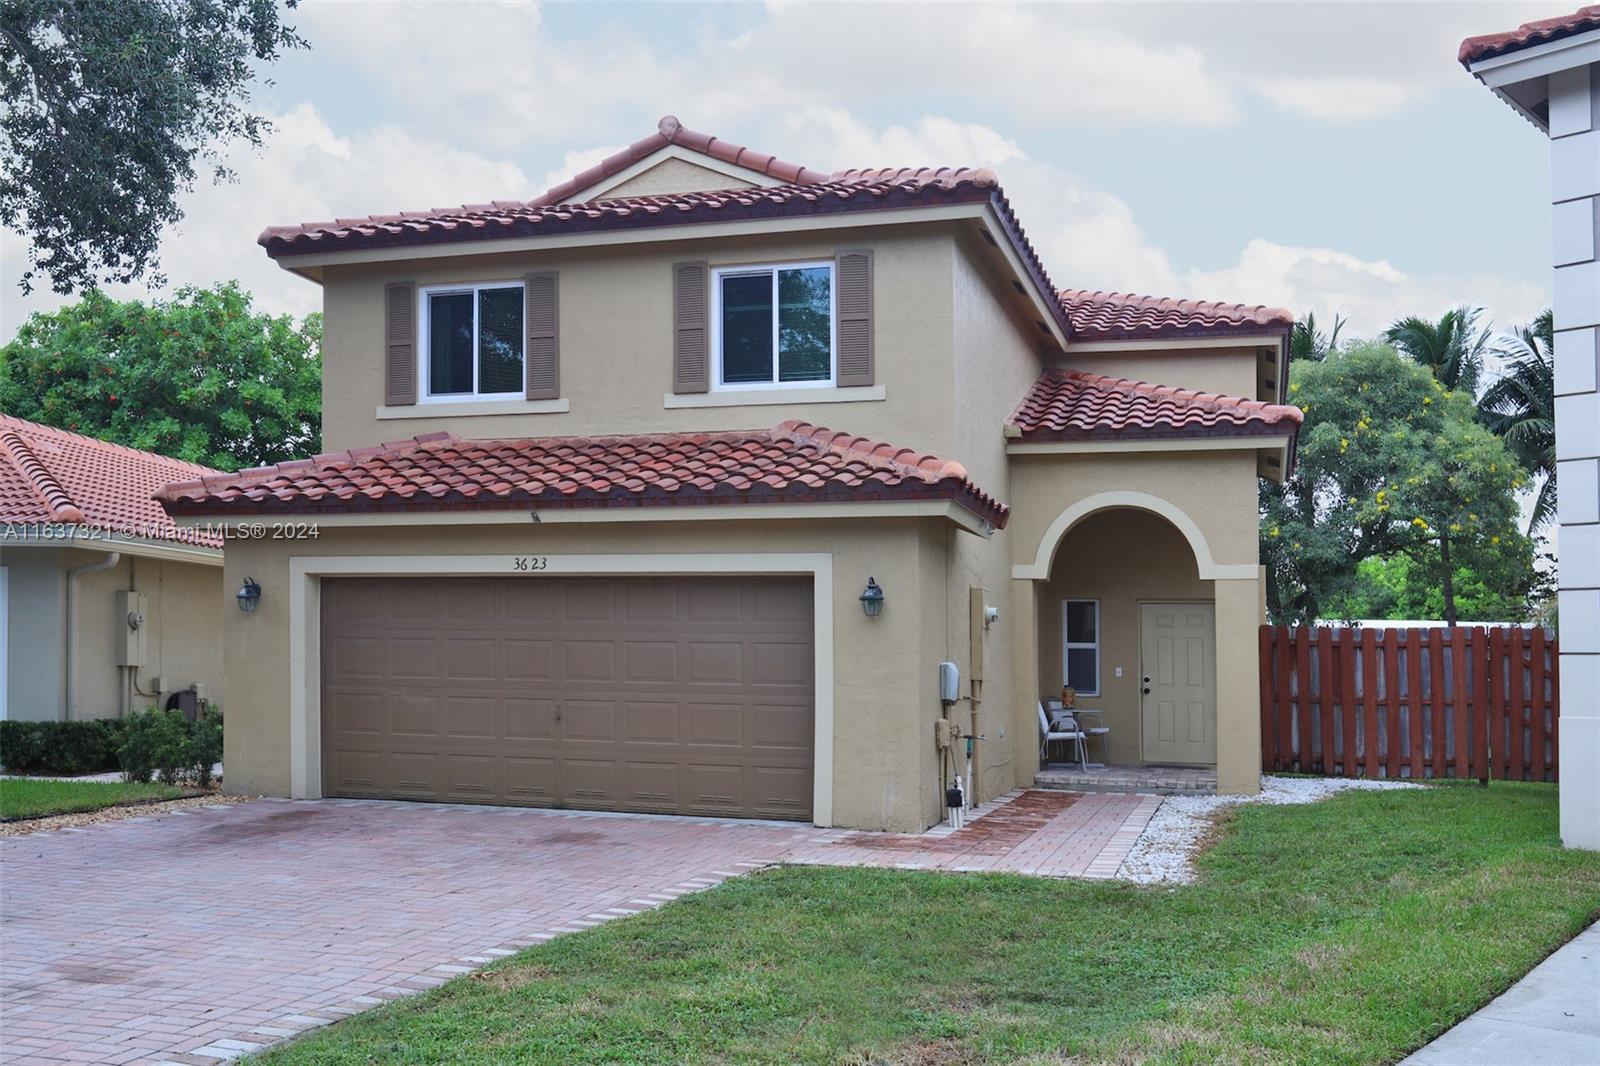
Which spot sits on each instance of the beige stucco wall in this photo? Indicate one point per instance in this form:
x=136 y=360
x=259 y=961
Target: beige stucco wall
x=1231 y=371
x=1121 y=558
x=616 y=331
x=885 y=694
x=670 y=176
x=183 y=644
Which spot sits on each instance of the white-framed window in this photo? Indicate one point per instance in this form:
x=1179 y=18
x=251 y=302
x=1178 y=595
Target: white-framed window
x=472 y=341
x=1080 y=646
x=772 y=326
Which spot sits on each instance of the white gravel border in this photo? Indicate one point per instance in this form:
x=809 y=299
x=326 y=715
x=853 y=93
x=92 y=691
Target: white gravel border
x=1164 y=852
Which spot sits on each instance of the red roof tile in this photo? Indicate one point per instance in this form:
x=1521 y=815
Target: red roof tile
x=1072 y=405
x=1489 y=45
x=1096 y=316
x=794 y=462
x=52 y=477
x=670 y=131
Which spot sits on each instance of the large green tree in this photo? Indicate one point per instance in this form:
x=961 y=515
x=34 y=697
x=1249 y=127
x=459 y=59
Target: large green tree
x=1452 y=348
x=105 y=107
x=1502 y=588
x=1390 y=462
x=200 y=377
x=1521 y=408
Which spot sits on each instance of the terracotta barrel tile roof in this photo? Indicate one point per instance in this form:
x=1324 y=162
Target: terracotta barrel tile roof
x=51 y=477
x=1071 y=405
x=794 y=462
x=1125 y=316
x=1489 y=45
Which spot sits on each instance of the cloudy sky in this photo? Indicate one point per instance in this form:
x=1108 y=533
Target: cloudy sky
x=1331 y=157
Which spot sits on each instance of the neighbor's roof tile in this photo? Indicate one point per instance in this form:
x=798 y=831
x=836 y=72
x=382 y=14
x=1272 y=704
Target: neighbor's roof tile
x=52 y=477
x=794 y=462
x=1072 y=405
x=1489 y=45
x=1098 y=316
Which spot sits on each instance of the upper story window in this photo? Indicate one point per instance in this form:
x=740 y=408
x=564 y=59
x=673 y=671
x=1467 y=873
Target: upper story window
x=773 y=326
x=472 y=341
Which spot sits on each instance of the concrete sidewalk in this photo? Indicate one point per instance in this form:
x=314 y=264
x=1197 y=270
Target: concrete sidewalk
x=1551 y=1017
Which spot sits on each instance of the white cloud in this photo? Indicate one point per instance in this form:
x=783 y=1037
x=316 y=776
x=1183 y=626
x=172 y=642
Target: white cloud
x=306 y=172
x=1338 y=99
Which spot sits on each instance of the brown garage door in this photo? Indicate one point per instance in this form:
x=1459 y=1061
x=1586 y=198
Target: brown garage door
x=681 y=695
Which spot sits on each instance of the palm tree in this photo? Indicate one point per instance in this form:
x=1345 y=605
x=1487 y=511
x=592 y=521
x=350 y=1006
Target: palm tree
x=1453 y=347
x=1308 y=342
x=1520 y=408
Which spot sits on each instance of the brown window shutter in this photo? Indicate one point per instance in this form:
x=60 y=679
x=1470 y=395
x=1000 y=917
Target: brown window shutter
x=852 y=303
x=542 y=359
x=400 y=343
x=691 y=311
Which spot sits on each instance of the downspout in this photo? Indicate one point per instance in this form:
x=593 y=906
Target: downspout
x=111 y=559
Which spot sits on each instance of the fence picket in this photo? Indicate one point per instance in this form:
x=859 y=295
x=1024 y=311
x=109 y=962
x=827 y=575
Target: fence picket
x=1488 y=714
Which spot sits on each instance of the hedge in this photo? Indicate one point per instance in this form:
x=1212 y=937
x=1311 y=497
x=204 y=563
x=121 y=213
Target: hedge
x=60 y=747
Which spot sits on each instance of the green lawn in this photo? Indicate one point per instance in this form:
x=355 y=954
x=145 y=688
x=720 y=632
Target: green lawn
x=1349 y=931
x=33 y=798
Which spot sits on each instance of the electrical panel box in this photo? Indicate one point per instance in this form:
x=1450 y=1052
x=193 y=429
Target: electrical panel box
x=949 y=682
x=131 y=625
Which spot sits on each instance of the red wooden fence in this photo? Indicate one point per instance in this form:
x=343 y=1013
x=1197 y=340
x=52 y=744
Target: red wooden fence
x=1462 y=702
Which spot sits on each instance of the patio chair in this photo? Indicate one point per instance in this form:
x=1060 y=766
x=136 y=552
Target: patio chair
x=1092 y=723
x=1065 y=727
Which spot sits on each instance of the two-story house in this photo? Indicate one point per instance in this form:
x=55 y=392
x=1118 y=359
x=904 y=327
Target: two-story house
x=609 y=557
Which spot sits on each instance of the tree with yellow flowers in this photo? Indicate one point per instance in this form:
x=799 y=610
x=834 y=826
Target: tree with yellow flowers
x=1390 y=462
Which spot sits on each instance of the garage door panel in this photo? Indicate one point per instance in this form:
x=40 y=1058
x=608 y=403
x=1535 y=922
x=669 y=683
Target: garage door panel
x=414 y=774
x=530 y=719
x=354 y=713
x=716 y=788
x=650 y=722
x=787 y=663
x=716 y=725
x=470 y=717
x=779 y=727
x=715 y=663
x=414 y=714
x=530 y=660
x=471 y=778
x=532 y=780
x=691 y=695
x=358 y=658
x=589 y=720
x=471 y=659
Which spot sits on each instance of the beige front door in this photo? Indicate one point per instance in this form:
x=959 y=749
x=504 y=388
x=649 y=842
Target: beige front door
x=1178 y=653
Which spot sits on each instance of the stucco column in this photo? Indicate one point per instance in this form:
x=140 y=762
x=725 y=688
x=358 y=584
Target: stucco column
x=1238 y=685
x=1025 y=674
x=1575 y=232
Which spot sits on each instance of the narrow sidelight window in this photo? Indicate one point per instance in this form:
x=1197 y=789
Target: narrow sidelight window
x=1080 y=658
x=472 y=341
x=773 y=326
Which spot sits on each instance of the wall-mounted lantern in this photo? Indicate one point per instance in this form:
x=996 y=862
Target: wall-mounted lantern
x=872 y=599
x=249 y=595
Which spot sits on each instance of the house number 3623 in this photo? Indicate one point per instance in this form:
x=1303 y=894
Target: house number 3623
x=529 y=563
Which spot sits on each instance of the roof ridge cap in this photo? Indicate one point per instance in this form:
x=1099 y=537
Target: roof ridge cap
x=39 y=477
x=23 y=425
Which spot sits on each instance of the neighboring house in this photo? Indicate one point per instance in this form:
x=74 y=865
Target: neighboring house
x=85 y=552
x=610 y=558
x=1549 y=72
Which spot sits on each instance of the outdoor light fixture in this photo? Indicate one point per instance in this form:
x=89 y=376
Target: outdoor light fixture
x=872 y=598
x=249 y=595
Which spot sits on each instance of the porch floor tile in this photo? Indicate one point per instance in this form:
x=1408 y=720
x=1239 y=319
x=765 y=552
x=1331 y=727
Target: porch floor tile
x=1044 y=833
x=1160 y=780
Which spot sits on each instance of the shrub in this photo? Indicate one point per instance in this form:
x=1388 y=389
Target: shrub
x=60 y=747
x=167 y=746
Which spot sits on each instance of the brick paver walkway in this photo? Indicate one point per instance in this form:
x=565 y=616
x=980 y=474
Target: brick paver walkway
x=201 y=935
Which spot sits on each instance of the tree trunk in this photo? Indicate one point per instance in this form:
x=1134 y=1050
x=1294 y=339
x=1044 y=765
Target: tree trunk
x=1449 y=582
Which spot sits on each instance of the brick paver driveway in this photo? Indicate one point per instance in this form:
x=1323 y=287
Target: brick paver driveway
x=196 y=937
